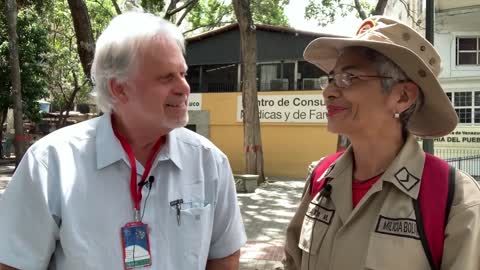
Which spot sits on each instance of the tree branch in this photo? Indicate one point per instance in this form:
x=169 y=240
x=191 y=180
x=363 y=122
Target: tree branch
x=117 y=8
x=360 y=10
x=187 y=10
x=411 y=15
x=172 y=5
x=170 y=12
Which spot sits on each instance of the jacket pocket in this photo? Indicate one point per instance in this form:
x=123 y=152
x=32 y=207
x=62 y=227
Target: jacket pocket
x=395 y=253
x=314 y=228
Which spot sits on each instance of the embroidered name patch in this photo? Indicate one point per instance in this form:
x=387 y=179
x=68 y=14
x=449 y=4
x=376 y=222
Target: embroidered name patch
x=403 y=227
x=320 y=213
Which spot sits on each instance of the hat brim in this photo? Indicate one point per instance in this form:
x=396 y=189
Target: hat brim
x=436 y=118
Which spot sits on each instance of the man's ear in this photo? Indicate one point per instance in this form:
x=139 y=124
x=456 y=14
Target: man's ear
x=406 y=94
x=118 y=91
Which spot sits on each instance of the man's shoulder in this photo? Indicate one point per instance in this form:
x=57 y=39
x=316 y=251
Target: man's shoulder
x=194 y=140
x=70 y=135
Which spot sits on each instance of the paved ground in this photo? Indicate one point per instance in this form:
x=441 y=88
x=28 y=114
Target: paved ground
x=266 y=214
x=6 y=170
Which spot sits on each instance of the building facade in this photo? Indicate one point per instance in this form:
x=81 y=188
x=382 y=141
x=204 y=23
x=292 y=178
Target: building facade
x=292 y=111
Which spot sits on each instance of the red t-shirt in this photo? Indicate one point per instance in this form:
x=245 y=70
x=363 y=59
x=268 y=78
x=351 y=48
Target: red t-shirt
x=359 y=189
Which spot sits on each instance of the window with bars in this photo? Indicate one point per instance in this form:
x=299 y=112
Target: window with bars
x=467 y=106
x=467 y=50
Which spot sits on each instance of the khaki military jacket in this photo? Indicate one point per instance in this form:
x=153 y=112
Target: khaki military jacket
x=381 y=232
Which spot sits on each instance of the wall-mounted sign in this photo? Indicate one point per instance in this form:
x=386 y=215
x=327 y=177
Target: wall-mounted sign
x=288 y=109
x=460 y=137
x=195 y=102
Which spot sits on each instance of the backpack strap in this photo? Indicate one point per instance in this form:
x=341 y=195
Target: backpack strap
x=318 y=172
x=433 y=207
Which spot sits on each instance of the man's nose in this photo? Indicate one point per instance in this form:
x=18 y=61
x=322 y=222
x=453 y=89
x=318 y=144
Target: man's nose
x=182 y=87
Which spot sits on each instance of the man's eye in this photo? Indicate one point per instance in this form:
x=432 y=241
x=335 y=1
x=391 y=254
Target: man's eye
x=165 y=77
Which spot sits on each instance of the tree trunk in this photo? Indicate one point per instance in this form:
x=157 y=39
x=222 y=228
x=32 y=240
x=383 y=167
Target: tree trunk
x=360 y=10
x=251 y=122
x=3 y=119
x=83 y=32
x=11 y=13
x=62 y=118
x=117 y=8
x=380 y=8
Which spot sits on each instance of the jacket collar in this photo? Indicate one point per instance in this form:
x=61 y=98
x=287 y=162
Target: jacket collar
x=405 y=172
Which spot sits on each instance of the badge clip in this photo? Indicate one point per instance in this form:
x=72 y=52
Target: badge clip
x=178 y=207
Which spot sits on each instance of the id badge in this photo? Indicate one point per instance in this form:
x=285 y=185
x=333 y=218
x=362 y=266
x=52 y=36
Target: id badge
x=136 y=246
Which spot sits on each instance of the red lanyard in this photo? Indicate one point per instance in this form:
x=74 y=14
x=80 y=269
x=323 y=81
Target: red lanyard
x=135 y=189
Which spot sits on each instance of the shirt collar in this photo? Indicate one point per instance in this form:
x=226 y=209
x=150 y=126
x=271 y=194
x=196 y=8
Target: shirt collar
x=109 y=149
x=405 y=172
x=171 y=149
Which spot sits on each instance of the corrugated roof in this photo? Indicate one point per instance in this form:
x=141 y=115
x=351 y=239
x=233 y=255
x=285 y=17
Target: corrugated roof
x=264 y=27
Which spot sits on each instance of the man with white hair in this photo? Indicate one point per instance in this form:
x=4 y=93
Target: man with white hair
x=132 y=188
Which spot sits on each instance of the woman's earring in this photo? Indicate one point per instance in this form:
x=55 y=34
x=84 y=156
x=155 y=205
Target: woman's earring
x=396 y=115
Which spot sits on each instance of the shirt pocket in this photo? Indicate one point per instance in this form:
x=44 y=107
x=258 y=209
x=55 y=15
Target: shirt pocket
x=194 y=229
x=314 y=228
x=395 y=253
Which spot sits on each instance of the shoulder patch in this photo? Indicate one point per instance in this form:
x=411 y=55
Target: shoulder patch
x=406 y=179
x=403 y=227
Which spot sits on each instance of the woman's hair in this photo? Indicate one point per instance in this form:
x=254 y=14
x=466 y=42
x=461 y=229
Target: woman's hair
x=387 y=68
x=117 y=48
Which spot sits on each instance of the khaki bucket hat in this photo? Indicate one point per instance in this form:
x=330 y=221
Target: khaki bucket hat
x=412 y=53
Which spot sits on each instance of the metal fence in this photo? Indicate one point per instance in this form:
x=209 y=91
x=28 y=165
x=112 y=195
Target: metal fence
x=467 y=160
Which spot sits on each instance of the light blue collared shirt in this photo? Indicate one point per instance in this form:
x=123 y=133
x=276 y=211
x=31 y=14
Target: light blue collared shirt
x=70 y=197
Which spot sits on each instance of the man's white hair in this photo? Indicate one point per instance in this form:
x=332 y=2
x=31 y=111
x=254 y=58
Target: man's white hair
x=117 y=49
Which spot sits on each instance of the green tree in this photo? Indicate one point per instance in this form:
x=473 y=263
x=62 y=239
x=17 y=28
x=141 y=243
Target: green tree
x=153 y=6
x=327 y=11
x=68 y=82
x=210 y=14
x=174 y=10
x=33 y=51
x=269 y=12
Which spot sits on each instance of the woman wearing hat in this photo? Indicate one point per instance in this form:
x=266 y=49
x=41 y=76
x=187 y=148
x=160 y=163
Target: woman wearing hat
x=382 y=89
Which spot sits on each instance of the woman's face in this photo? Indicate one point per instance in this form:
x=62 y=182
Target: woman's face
x=362 y=107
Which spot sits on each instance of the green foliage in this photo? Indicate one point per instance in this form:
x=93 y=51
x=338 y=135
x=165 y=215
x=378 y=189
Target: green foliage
x=153 y=6
x=33 y=50
x=64 y=68
x=63 y=60
x=209 y=14
x=327 y=11
x=269 y=12
x=100 y=12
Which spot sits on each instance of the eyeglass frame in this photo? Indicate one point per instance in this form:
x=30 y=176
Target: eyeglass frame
x=325 y=80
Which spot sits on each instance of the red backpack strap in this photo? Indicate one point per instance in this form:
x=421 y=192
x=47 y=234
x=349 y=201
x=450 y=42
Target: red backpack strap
x=433 y=207
x=319 y=170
